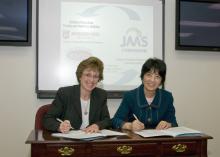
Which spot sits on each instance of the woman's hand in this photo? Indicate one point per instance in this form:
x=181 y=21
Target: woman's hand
x=136 y=125
x=92 y=128
x=163 y=125
x=65 y=126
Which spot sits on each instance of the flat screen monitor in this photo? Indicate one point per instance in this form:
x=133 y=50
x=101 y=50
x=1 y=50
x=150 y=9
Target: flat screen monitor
x=198 y=25
x=15 y=22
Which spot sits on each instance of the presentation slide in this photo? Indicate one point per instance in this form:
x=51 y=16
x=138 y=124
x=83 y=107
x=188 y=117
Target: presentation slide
x=123 y=34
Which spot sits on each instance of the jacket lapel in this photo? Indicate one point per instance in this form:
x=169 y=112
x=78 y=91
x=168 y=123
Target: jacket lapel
x=93 y=106
x=76 y=100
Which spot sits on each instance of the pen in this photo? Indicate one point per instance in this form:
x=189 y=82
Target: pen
x=59 y=120
x=135 y=117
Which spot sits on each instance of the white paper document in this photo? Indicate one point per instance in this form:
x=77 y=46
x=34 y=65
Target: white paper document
x=174 y=131
x=79 y=134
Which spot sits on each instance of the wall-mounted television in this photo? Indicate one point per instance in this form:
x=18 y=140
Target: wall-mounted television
x=198 y=25
x=15 y=22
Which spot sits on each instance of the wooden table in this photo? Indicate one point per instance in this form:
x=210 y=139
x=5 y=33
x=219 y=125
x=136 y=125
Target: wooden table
x=132 y=145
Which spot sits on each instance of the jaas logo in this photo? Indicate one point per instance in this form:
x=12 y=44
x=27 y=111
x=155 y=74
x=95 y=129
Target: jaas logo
x=134 y=38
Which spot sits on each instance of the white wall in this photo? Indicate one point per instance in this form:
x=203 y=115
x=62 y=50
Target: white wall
x=193 y=77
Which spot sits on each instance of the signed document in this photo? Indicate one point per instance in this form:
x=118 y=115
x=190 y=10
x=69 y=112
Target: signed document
x=79 y=134
x=174 y=132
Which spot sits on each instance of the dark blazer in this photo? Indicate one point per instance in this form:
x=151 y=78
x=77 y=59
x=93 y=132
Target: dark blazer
x=67 y=106
x=134 y=102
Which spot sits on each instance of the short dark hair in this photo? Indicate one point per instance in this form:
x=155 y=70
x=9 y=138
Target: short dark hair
x=154 y=64
x=93 y=63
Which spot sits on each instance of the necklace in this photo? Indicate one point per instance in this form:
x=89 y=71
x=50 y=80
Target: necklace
x=85 y=106
x=85 y=111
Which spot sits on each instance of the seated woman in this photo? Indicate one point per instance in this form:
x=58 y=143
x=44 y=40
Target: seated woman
x=147 y=106
x=82 y=106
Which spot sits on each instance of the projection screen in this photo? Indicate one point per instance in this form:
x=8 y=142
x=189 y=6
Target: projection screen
x=122 y=33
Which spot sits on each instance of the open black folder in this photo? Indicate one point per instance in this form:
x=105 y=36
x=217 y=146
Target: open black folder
x=174 y=132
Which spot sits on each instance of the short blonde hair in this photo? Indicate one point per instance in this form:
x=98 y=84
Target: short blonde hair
x=93 y=63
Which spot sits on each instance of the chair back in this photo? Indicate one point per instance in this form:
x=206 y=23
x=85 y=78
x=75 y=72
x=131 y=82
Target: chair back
x=39 y=116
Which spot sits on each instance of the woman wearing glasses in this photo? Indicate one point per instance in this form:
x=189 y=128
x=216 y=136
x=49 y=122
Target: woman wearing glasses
x=147 y=106
x=82 y=106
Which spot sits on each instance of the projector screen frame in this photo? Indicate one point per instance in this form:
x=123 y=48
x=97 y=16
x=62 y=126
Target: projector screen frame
x=112 y=94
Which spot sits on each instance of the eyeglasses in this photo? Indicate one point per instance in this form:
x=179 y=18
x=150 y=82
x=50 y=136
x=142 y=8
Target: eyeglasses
x=90 y=76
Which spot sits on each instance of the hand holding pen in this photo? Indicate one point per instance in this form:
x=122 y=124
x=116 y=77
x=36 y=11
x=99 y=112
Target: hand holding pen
x=65 y=126
x=137 y=125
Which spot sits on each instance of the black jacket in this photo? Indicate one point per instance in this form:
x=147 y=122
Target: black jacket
x=67 y=106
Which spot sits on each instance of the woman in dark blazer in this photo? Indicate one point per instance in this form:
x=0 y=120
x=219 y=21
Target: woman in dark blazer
x=82 y=106
x=147 y=106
